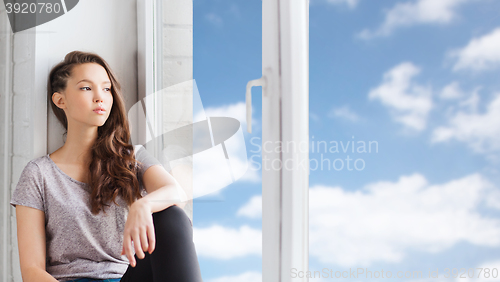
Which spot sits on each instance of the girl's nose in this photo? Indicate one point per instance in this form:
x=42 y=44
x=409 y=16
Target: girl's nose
x=99 y=96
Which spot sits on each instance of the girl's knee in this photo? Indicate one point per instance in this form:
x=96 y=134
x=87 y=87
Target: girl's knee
x=173 y=216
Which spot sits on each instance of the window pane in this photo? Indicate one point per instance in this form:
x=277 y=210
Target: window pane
x=404 y=139
x=227 y=53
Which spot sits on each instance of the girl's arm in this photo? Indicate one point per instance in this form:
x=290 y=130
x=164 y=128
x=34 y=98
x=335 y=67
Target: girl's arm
x=163 y=189
x=31 y=243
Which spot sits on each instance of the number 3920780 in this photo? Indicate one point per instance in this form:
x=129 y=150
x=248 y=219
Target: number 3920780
x=32 y=8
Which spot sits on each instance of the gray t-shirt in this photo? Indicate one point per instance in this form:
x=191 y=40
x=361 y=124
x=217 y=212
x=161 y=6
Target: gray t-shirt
x=78 y=243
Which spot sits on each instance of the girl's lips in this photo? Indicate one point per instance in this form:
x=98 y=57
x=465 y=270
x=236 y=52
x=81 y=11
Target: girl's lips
x=100 y=112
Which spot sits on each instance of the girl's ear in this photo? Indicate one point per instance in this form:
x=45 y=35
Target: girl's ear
x=58 y=100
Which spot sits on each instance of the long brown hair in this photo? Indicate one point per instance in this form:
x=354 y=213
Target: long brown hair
x=113 y=167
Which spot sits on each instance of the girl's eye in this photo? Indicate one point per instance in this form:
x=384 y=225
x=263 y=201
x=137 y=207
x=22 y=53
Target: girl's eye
x=85 y=87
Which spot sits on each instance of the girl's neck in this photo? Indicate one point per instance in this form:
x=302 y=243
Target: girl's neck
x=77 y=148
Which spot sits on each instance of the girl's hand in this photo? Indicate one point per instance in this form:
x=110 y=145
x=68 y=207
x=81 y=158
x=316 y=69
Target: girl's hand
x=139 y=229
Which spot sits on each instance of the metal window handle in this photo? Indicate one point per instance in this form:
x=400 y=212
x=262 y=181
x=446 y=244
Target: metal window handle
x=256 y=82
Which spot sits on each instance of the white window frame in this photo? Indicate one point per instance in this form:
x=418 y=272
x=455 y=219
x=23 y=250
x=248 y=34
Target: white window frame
x=151 y=26
x=285 y=117
x=6 y=135
x=148 y=57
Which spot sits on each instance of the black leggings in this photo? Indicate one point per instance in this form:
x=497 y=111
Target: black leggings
x=174 y=257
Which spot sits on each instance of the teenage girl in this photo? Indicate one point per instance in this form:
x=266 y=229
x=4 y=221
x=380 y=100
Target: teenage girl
x=99 y=208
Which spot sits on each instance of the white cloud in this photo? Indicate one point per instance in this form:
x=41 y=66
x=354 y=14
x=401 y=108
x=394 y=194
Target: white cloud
x=472 y=102
x=252 y=209
x=385 y=220
x=481 y=131
x=408 y=102
x=480 y=54
x=350 y=3
x=451 y=91
x=314 y=116
x=345 y=113
x=235 y=10
x=249 y=276
x=225 y=243
x=413 y=13
x=212 y=171
x=214 y=19
x=238 y=112
x=251 y=174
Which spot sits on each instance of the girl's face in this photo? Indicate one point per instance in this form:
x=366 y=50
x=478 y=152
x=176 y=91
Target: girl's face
x=88 y=88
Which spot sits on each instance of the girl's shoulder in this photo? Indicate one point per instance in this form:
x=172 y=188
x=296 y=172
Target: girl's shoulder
x=41 y=161
x=35 y=171
x=36 y=163
x=39 y=167
x=30 y=188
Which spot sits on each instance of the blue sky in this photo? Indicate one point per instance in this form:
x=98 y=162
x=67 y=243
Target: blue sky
x=419 y=78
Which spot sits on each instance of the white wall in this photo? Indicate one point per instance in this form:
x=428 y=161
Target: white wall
x=6 y=38
x=108 y=28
